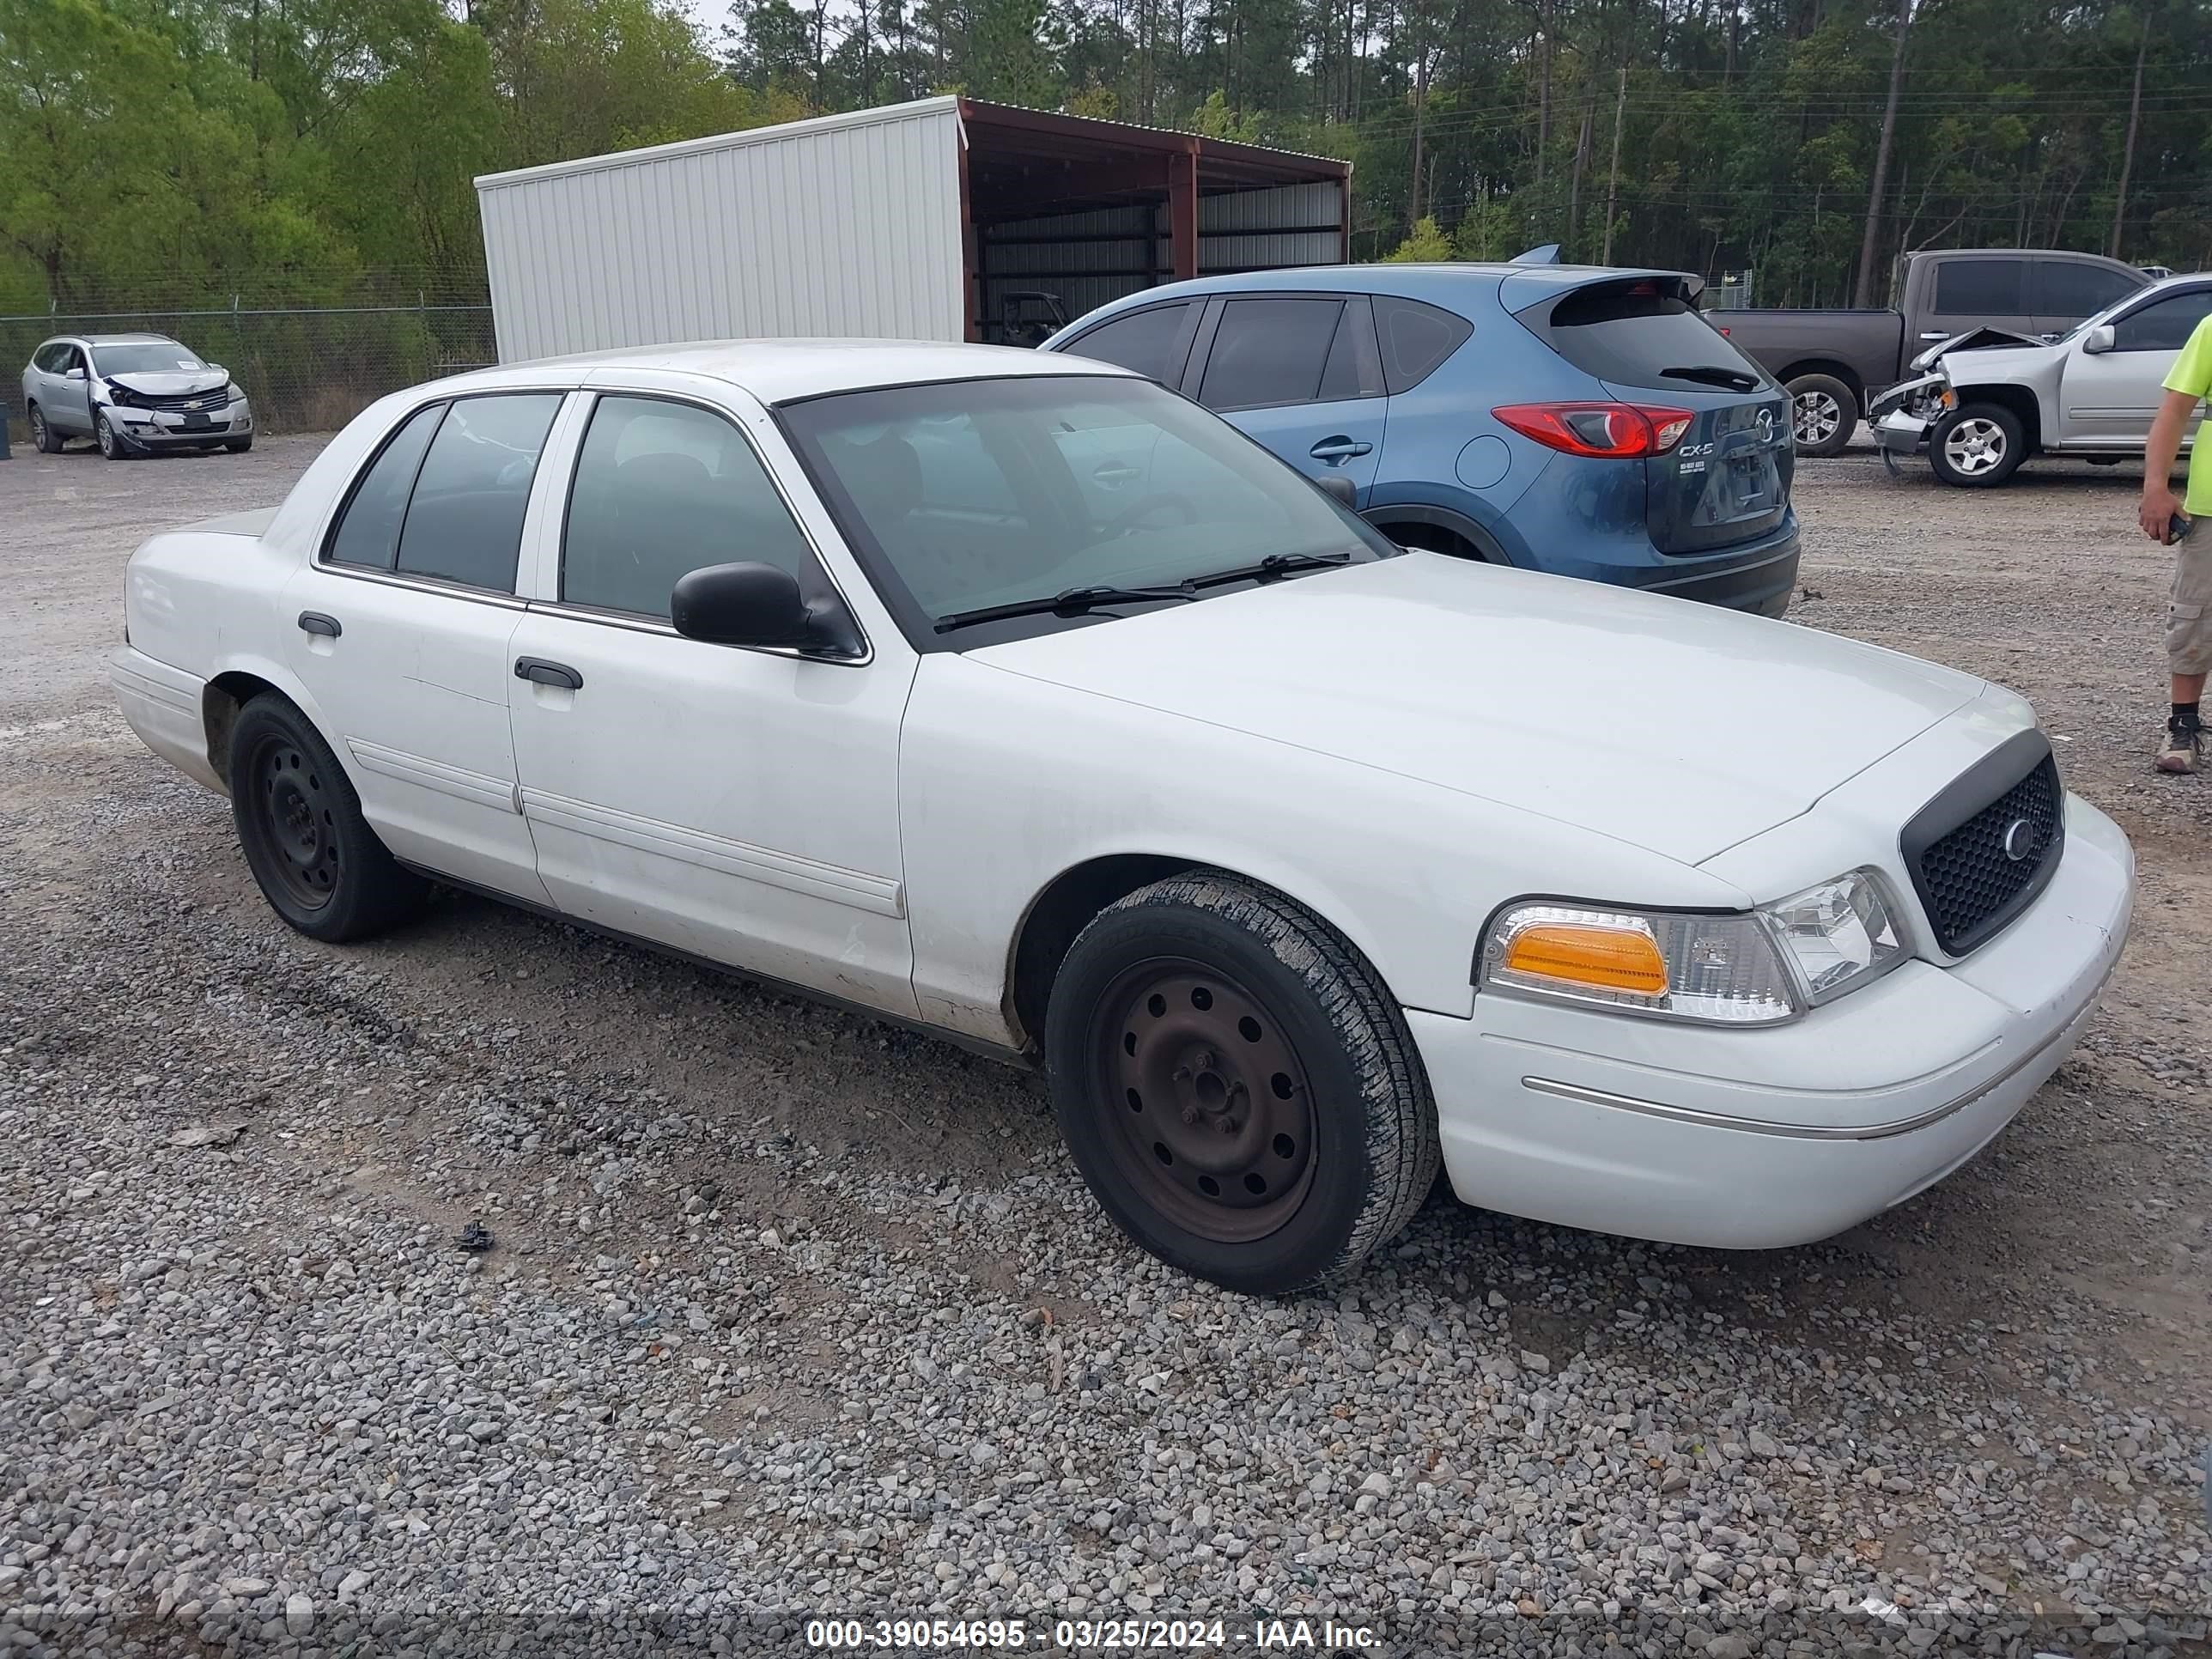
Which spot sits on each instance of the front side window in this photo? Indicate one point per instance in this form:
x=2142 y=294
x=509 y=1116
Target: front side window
x=661 y=489
x=463 y=519
x=1270 y=351
x=965 y=494
x=2163 y=325
x=1152 y=342
x=2066 y=289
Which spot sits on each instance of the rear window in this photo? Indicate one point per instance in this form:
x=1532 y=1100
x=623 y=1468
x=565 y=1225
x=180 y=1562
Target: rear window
x=1415 y=339
x=1981 y=288
x=1644 y=332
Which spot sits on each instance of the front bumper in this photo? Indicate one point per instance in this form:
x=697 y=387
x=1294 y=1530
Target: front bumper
x=1899 y=433
x=169 y=429
x=1755 y=1140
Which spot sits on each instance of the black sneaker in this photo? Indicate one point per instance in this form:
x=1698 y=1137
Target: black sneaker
x=2185 y=745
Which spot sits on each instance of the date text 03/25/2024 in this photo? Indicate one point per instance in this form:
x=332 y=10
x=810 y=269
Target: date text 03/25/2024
x=1091 y=1635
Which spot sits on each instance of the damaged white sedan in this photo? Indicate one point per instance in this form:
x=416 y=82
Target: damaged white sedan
x=1014 y=698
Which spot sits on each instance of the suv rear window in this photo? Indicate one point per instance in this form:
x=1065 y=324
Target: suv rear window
x=1634 y=332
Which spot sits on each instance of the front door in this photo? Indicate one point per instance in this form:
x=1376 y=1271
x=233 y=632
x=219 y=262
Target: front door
x=69 y=393
x=402 y=634
x=738 y=804
x=2109 y=398
x=1302 y=375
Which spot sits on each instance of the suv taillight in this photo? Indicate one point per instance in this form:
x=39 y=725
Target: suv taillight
x=1615 y=431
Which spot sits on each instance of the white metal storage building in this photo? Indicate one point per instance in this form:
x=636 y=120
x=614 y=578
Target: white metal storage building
x=917 y=221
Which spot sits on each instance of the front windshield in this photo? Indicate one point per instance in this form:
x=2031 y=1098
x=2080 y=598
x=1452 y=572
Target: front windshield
x=144 y=357
x=963 y=495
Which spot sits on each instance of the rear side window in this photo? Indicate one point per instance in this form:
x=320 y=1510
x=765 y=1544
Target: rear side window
x=1981 y=288
x=465 y=519
x=1270 y=351
x=368 y=531
x=1416 y=338
x=662 y=489
x=2064 y=289
x=2164 y=325
x=1644 y=332
x=1153 y=342
x=1354 y=368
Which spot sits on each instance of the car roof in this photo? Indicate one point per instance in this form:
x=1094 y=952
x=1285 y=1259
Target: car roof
x=1457 y=282
x=782 y=371
x=118 y=339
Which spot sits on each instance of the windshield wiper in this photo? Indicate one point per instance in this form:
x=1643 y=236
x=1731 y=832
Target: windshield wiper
x=1070 y=602
x=1712 y=374
x=1274 y=567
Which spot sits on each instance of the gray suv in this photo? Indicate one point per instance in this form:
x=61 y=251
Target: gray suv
x=131 y=394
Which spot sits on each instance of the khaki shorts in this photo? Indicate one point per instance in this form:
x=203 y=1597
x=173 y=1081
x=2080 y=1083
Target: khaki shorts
x=2189 y=619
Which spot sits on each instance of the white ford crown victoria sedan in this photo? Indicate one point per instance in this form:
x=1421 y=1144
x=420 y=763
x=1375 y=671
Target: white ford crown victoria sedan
x=1017 y=698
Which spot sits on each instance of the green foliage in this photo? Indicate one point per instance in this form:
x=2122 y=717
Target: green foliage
x=1427 y=245
x=175 y=151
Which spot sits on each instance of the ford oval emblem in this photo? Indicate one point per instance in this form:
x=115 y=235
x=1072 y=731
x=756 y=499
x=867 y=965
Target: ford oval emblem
x=2021 y=840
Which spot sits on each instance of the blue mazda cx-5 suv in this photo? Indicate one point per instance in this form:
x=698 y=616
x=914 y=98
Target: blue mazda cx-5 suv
x=1582 y=421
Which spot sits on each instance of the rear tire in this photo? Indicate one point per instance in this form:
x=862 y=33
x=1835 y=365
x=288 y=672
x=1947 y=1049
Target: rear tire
x=43 y=438
x=313 y=854
x=1977 y=447
x=1239 y=1089
x=1824 y=413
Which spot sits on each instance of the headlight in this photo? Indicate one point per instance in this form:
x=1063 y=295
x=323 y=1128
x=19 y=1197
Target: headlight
x=1742 y=968
x=237 y=396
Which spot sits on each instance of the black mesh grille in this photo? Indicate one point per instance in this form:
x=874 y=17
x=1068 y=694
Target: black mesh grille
x=1976 y=875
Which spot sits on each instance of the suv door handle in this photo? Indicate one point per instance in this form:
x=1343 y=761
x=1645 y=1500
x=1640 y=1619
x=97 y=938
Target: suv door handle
x=314 y=622
x=538 y=672
x=1339 y=448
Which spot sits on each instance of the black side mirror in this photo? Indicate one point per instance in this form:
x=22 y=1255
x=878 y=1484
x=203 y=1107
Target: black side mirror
x=1341 y=488
x=758 y=604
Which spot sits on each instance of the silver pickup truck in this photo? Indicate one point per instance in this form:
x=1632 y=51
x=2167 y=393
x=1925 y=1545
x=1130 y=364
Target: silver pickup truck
x=1979 y=411
x=1834 y=362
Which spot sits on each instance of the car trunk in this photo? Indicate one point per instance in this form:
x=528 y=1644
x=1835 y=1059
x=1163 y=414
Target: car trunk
x=1727 y=479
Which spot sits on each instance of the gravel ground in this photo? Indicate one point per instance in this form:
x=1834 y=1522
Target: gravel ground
x=790 y=1314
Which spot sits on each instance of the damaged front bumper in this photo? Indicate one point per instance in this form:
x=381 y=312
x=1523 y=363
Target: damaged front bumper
x=1903 y=416
x=218 y=423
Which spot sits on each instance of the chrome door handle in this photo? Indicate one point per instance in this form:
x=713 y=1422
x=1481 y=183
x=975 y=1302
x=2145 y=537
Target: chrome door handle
x=1339 y=448
x=538 y=672
x=1932 y=338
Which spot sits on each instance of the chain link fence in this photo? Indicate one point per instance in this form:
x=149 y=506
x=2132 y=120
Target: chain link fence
x=307 y=368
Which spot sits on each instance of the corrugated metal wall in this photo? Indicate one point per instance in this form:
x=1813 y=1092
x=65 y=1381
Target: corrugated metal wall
x=1089 y=258
x=844 y=226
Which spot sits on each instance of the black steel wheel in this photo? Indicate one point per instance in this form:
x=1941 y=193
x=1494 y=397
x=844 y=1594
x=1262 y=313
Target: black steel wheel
x=313 y=854
x=1218 y=1118
x=1239 y=1089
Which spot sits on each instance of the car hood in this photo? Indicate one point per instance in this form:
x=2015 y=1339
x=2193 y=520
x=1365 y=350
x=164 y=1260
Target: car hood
x=1981 y=365
x=171 y=382
x=1672 y=726
x=1973 y=340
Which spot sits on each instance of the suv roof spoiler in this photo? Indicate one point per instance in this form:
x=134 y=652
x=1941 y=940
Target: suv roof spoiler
x=1546 y=254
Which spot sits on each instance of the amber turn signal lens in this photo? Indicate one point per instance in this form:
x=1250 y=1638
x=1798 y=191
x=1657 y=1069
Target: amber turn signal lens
x=1606 y=958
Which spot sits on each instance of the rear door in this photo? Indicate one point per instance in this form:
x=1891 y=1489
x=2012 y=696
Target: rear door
x=1301 y=373
x=1989 y=292
x=1727 y=478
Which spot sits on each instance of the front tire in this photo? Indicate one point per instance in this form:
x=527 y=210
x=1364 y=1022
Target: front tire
x=1824 y=413
x=239 y=446
x=1239 y=1092
x=313 y=854
x=109 y=440
x=43 y=438
x=1977 y=447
